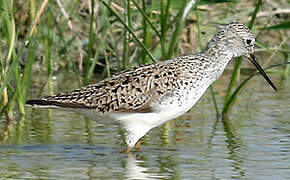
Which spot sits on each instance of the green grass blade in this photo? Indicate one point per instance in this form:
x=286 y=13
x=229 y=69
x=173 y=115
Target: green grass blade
x=176 y=34
x=126 y=40
x=284 y=25
x=11 y=97
x=164 y=13
x=26 y=80
x=144 y=15
x=237 y=90
x=131 y=31
x=253 y=18
x=147 y=34
x=214 y=100
x=93 y=65
x=236 y=71
x=88 y=62
x=107 y=64
x=234 y=78
x=10 y=33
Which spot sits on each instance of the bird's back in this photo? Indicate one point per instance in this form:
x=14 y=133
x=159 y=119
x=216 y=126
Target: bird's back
x=133 y=90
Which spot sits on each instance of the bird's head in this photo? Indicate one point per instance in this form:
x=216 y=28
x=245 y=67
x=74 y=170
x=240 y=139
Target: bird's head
x=238 y=39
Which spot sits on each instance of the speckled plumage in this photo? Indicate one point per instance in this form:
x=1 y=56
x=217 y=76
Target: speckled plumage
x=146 y=84
x=144 y=97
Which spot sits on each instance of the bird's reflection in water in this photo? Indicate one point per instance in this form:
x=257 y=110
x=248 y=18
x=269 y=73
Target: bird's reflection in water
x=135 y=169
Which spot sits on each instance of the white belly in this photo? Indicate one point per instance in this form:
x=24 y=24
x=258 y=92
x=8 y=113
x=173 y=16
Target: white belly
x=138 y=124
x=189 y=91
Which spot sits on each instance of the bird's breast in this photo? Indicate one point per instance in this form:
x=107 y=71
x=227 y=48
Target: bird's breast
x=181 y=99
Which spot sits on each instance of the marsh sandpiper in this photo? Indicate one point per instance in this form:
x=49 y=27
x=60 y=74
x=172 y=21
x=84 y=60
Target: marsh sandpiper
x=147 y=96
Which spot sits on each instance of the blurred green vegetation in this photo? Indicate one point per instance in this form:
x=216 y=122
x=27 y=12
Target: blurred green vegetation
x=94 y=39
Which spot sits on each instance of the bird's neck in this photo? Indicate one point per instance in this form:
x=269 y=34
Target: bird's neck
x=218 y=56
x=215 y=61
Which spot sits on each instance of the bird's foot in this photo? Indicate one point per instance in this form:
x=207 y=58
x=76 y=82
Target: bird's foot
x=128 y=150
x=138 y=146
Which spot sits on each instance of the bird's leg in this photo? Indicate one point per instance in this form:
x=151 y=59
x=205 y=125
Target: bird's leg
x=128 y=150
x=138 y=146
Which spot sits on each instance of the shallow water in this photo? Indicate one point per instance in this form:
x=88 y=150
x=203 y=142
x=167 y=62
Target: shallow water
x=253 y=144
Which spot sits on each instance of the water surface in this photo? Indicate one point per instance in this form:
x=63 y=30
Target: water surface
x=254 y=143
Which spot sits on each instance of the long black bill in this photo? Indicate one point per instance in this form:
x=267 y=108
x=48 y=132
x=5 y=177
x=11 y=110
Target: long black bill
x=253 y=60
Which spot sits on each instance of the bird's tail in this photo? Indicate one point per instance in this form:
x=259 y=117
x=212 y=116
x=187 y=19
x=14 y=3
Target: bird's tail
x=38 y=103
x=46 y=103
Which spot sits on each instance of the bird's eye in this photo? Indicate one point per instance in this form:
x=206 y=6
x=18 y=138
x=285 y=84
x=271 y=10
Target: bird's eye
x=248 y=41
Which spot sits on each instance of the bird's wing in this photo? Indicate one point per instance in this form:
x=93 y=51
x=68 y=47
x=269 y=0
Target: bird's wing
x=130 y=91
